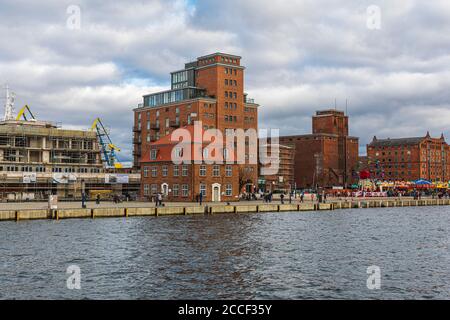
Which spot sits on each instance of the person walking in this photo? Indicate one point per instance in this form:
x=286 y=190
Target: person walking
x=282 y=198
x=302 y=196
x=97 y=200
x=200 y=198
x=160 y=199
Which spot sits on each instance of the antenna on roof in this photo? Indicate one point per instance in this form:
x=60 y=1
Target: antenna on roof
x=9 y=105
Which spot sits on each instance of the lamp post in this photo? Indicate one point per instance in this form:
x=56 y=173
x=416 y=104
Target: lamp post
x=83 y=195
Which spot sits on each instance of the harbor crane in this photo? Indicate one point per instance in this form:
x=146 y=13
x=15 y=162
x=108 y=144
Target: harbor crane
x=22 y=113
x=108 y=149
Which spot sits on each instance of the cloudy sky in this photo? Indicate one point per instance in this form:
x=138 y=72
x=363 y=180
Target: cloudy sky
x=300 y=56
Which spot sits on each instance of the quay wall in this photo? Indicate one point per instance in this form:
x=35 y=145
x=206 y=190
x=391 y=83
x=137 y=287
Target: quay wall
x=18 y=215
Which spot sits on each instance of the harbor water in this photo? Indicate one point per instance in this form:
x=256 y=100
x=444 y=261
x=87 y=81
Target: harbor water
x=298 y=255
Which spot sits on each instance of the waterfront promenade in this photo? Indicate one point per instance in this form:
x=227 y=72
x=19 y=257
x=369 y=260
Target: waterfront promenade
x=147 y=204
x=70 y=210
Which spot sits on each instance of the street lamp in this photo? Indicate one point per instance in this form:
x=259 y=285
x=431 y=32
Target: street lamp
x=83 y=195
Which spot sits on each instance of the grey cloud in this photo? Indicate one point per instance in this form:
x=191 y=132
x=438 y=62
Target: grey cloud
x=300 y=56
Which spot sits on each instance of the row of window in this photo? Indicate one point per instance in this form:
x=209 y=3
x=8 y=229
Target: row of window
x=229 y=82
x=42 y=169
x=230 y=118
x=231 y=95
x=229 y=60
x=153 y=189
x=231 y=71
x=231 y=105
x=185 y=171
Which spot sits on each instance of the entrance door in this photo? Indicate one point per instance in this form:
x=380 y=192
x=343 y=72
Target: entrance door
x=165 y=189
x=216 y=193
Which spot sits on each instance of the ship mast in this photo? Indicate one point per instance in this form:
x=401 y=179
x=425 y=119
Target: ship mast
x=9 y=105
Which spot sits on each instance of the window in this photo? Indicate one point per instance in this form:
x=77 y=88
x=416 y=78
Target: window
x=203 y=189
x=176 y=171
x=177 y=110
x=153 y=154
x=185 y=190
x=205 y=153
x=226 y=105
x=164 y=171
x=203 y=171
x=175 y=190
x=148 y=137
x=167 y=122
x=226 y=94
x=157 y=113
x=228 y=170
x=145 y=171
x=148 y=124
x=228 y=190
x=154 y=172
x=226 y=82
x=216 y=171
x=154 y=189
x=235 y=95
x=146 y=189
x=184 y=171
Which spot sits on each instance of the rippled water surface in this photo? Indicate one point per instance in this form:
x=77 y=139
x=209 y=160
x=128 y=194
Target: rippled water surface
x=256 y=256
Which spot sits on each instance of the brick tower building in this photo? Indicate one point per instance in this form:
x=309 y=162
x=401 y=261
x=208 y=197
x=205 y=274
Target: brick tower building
x=329 y=156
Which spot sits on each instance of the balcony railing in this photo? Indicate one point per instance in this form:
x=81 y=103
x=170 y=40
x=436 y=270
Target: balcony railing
x=155 y=127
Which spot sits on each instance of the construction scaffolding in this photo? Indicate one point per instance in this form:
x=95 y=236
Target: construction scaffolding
x=38 y=159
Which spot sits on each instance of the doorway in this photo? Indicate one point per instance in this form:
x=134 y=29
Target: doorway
x=216 y=192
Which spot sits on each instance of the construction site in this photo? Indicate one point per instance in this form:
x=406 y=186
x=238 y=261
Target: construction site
x=39 y=158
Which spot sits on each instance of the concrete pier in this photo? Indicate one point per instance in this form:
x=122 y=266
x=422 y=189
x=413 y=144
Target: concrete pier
x=18 y=215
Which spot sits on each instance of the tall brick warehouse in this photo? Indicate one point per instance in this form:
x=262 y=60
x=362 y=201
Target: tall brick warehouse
x=409 y=159
x=210 y=90
x=329 y=156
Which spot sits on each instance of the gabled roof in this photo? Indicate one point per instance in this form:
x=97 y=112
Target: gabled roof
x=165 y=146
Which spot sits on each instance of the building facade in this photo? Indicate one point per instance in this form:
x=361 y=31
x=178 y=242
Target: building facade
x=283 y=180
x=37 y=158
x=209 y=90
x=409 y=159
x=329 y=156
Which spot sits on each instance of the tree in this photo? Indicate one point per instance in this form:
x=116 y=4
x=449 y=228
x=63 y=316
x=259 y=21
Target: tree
x=245 y=177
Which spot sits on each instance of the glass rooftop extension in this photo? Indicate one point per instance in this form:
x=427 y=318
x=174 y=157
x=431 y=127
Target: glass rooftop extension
x=172 y=96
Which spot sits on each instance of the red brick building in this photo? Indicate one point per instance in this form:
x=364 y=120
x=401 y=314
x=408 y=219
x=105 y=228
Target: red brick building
x=409 y=159
x=210 y=90
x=284 y=179
x=184 y=179
x=329 y=156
